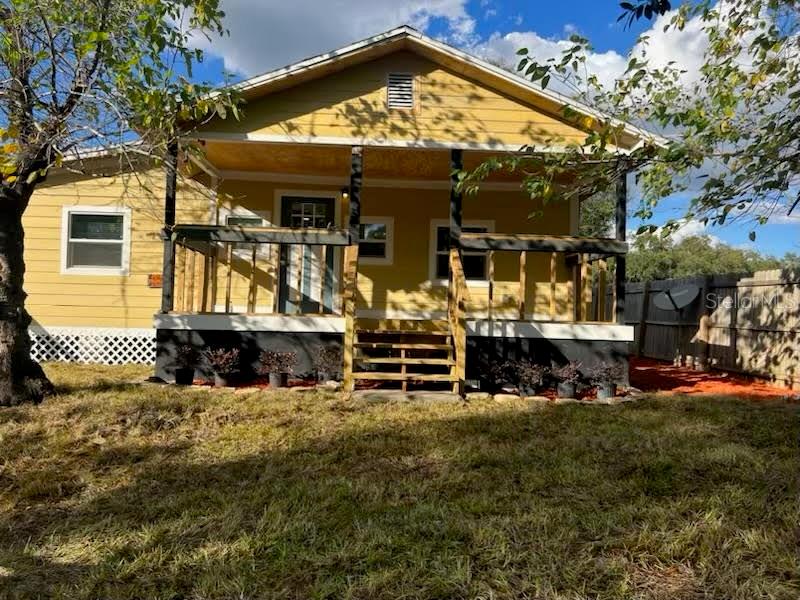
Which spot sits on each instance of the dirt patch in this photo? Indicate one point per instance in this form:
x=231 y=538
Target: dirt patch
x=654 y=376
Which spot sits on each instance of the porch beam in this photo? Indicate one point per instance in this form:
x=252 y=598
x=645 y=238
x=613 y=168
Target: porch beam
x=621 y=228
x=541 y=243
x=456 y=164
x=262 y=235
x=168 y=263
x=356 y=183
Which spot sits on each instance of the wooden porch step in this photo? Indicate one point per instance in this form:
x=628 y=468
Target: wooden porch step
x=403 y=332
x=394 y=360
x=376 y=376
x=402 y=346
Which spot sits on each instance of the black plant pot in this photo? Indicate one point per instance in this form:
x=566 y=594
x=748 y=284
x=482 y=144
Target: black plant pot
x=566 y=390
x=184 y=376
x=606 y=391
x=278 y=380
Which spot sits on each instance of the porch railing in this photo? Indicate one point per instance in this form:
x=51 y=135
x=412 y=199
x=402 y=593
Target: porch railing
x=208 y=258
x=586 y=257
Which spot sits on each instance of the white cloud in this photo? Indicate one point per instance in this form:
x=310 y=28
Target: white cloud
x=267 y=34
x=502 y=49
x=784 y=219
x=692 y=228
x=686 y=48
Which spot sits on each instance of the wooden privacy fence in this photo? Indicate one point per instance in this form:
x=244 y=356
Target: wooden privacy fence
x=753 y=323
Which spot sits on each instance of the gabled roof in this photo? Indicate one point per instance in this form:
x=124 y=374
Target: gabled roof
x=408 y=38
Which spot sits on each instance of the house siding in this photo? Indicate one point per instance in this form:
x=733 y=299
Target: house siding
x=352 y=104
x=119 y=301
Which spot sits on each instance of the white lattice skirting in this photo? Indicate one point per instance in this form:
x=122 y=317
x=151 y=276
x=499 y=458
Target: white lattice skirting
x=98 y=345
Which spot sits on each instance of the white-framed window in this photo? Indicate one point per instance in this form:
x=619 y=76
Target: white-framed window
x=400 y=91
x=243 y=217
x=476 y=268
x=95 y=240
x=376 y=241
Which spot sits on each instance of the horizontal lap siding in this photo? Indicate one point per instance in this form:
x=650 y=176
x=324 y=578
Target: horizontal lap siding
x=100 y=300
x=353 y=104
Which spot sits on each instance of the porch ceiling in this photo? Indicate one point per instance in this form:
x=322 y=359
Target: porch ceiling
x=379 y=163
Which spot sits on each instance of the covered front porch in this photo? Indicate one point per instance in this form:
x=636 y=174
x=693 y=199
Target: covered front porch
x=373 y=249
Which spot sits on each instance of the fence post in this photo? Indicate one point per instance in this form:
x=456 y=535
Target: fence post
x=645 y=309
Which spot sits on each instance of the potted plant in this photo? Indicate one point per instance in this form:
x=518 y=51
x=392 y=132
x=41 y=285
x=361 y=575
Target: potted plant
x=604 y=376
x=185 y=360
x=277 y=365
x=224 y=363
x=328 y=363
x=568 y=377
x=529 y=376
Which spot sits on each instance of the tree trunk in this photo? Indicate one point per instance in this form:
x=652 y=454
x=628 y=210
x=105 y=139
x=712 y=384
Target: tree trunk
x=21 y=378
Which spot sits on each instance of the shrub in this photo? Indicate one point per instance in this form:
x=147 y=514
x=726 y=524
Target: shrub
x=569 y=373
x=272 y=361
x=222 y=361
x=530 y=375
x=186 y=356
x=328 y=359
x=605 y=372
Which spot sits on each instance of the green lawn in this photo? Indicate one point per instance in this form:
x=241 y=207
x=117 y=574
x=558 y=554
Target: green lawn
x=114 y=490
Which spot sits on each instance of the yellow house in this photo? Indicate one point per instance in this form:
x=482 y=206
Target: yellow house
x=327 y=215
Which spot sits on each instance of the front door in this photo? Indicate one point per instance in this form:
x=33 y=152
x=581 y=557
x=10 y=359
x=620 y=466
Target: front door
x=302 y=270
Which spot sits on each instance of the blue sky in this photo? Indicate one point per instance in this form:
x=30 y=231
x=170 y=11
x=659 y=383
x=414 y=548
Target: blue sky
x=267 y=34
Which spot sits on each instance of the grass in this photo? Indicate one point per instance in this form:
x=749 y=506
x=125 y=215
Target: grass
x=114 y=490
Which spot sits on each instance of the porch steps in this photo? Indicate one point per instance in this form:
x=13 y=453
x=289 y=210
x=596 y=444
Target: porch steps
x=392 y=360
x=374 y=376
x=402 y=346
x=408 y=353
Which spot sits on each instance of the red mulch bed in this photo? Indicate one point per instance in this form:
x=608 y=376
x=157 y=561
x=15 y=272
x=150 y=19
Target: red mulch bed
x=654 y=376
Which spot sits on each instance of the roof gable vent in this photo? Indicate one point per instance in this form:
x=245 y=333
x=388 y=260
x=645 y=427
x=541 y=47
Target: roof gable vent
x=400 y=90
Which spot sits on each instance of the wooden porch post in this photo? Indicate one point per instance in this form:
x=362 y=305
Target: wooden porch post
x=455 y=300
x=351 y=265
x=622 y=224
x=168 y=266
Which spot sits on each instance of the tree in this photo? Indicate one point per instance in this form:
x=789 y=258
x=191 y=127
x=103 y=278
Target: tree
x=597 y=215
x=656 y=257
x=75 y=74
x=733 y=127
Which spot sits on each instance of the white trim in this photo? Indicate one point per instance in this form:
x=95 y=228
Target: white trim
x=415 y=37
x=436 y=223
x=388 y=259
x=279 y=323
x=124 y=211
x=551 y=331
x=321 y=140
x=369 y=182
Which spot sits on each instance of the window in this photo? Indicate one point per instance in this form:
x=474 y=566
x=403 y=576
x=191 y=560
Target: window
x=475 y=262
x=95 y=240
x=375 y=240
x=242 y=217
x=400 y=92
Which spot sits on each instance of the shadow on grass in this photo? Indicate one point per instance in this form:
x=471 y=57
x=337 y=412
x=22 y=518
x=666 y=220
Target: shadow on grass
x=642 y=501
